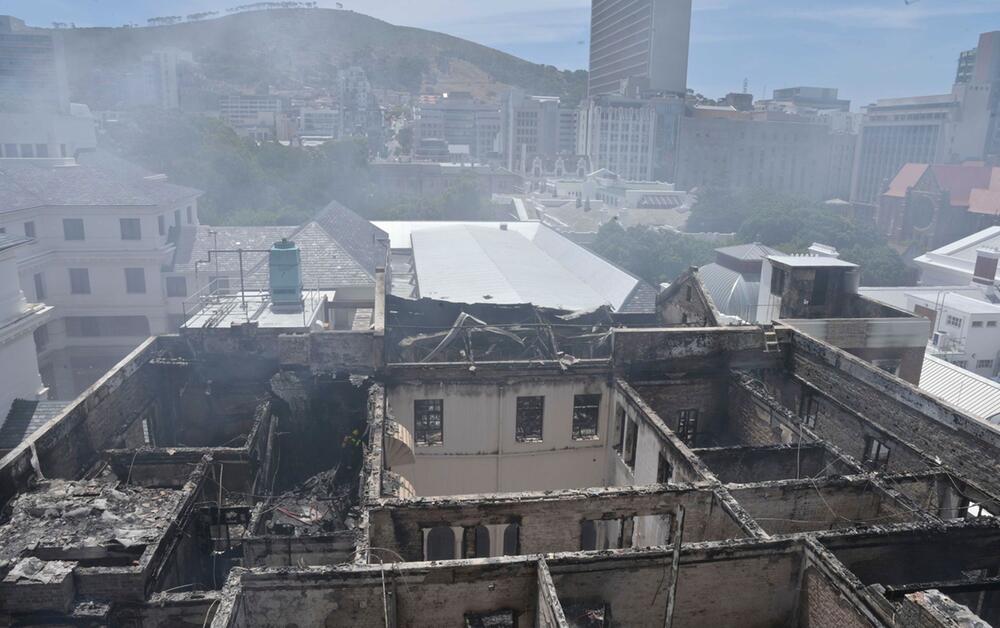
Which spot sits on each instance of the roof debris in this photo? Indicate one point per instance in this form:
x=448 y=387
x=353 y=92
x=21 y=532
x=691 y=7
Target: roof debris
x=85 y=515
x=428 y=330
x=318 y=505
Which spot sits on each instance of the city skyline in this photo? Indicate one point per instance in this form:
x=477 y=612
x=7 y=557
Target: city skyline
x=905 y=49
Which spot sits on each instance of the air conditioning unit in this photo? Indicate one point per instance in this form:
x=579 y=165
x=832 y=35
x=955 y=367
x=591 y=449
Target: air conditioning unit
x=939 y=338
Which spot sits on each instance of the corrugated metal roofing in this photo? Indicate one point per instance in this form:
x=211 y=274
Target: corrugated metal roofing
x=971 y=393
x=733 y=293
x=524 y=263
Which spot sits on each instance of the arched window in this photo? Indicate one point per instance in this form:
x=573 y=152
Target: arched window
x=440 y=544
x=588 y=535
x=482 y=542
x=512 y=540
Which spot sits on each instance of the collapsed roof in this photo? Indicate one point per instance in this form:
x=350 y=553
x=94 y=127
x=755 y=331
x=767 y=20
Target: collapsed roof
x=429 y=330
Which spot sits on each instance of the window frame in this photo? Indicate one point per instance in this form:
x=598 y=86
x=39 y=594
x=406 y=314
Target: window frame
x=170 y=287
x=76 y=276
x=135 y=283
x=70 y=234
x=809 y=409
x=687 y=425
x=631 y=443
x=130 y=229
x=876 y=454
x=664 y=469
x=423 y=419
x=583 y=406
x=39 y=280
x=522 y=405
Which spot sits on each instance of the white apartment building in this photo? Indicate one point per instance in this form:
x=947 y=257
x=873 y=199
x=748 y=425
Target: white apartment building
x=460 y=121
x=320 y=122
x=536 y=128
x=43 y=135
x=161 y=71
x=102 y=231
x=249 y=111
x=619 y=134
x=966 y=329
x=19 y=325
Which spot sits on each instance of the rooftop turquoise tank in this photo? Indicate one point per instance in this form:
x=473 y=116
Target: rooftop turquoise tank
x=285 y=265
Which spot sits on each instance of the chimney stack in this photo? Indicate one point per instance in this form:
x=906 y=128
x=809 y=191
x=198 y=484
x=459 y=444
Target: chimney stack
x=986 y=266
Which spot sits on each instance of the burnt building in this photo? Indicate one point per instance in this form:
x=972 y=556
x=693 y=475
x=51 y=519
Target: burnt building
x=495 y=464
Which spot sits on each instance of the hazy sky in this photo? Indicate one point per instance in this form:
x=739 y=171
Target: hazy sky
x=867 y=48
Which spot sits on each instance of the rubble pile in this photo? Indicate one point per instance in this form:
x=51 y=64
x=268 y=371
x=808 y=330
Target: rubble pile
x=317 y=506
x=89 y=514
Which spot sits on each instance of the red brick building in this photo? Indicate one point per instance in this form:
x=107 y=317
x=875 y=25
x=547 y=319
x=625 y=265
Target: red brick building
x=929 y=205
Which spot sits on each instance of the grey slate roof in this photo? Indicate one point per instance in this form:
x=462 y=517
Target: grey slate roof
x=748 y=252
x=98 y=179
x=641 y=301
x=359 y=237
x=195 y=243
x=339 y=249
x=24 y=418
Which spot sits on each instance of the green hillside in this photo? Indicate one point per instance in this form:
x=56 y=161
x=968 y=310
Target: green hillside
x=303 y=48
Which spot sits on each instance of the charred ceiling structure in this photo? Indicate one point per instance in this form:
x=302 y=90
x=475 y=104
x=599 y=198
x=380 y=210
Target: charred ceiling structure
x=501 y=465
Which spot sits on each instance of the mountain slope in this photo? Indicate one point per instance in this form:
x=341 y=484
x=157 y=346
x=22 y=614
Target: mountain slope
x=295 y=48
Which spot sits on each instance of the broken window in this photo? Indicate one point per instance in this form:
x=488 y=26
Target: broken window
x=428 y=422
x=975 y=510
x=664 y=470
x=687 y=425
x=602 y=534
x=620 y=425
x=630 y=443
x=777 y=281
x=495 y=619
x=439 y=543
x=809 y=410
x=585 y=412
x=530 y=413
x=821 y=284
x=876 y=453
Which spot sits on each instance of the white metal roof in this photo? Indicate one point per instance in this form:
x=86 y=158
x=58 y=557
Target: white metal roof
x=966 y=304
x=896 y=295
x=400 y=231
x=960 y=255
x=971 y=393
x=811 y=261
x=476 y=262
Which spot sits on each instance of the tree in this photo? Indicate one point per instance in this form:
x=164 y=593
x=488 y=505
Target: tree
x=792 y=225
x=405 y=138
x=656 y=255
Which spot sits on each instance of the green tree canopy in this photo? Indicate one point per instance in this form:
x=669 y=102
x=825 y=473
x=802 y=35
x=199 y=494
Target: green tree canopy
x=655 y=255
